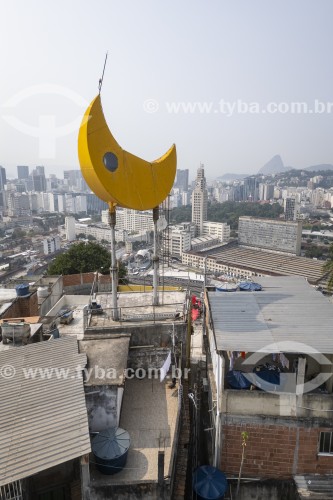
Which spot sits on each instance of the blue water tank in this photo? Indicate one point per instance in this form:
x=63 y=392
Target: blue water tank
x=110 y=448
x=22 y=290
x=209 y=483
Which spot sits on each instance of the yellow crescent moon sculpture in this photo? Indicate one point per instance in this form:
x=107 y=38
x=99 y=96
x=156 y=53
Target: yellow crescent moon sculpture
x=116 y=176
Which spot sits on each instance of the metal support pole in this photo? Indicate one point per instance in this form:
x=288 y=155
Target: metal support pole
x=155 y=258
x=114 y=267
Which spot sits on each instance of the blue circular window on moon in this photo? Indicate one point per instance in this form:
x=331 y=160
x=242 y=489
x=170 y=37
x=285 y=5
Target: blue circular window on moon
x=110 y=161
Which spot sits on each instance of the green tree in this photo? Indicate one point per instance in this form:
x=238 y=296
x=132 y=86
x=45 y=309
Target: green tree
x=90 y=237
x=229 y=211
x=82 y=258
x=328 y=268
x=313 y=251
x=18 y=233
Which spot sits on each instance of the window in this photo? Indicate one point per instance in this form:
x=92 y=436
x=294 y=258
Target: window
x=326 y=442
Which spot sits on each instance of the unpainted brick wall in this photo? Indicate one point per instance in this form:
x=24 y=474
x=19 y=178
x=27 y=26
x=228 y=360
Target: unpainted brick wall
x=79 y=279
x=275 y=451
x=23 y=307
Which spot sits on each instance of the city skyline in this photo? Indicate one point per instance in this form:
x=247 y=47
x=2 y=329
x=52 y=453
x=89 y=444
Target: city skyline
x=207 y=87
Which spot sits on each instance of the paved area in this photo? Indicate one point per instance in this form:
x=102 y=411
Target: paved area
x=149 y=414
x=133 y=305
x=197 y=342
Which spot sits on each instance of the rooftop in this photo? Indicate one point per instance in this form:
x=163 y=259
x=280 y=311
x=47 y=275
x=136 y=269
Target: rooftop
x=314 y=487
x=267 y=262
x=287 y=310
x=149 y=415
x=6 y=298
x=133 y=307
x=75 y=303
x=138 y=307
x=43 y=420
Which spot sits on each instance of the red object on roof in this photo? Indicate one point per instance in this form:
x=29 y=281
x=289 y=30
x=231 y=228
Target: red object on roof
x=195 y=314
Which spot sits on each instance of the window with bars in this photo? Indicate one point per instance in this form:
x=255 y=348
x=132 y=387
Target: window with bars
x=326 y=442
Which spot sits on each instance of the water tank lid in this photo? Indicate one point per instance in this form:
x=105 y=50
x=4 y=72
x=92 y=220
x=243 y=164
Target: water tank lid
x=209 y=483
x=22 y=286
x=111 y=443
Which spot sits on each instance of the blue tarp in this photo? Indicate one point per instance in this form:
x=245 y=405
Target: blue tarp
x=266 y=379
x=237 y=380
x=248 y=286
x=227 y=287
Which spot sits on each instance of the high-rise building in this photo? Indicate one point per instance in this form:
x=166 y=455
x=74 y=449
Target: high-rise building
x=251 y=191
x=39 y=180
x=51 y=244
x=291 y=209
x=22 y=172
x=182 y=179
x=266 y=191
x=70 y=228
x=75 y=180
x=18 y=204
x=95 y=205
x=200 y=201
x=3 y=179
x=40 y=170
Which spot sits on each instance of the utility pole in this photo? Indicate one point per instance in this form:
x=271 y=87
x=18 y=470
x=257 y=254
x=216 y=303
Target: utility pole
x=114 y=267
x=155 y=258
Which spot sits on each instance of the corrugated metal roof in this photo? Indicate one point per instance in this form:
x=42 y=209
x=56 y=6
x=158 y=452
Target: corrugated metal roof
x=43 y=421
x=288 y=309
x=314 y=486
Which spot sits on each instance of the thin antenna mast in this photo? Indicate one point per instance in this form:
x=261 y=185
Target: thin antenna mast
x=100 y=83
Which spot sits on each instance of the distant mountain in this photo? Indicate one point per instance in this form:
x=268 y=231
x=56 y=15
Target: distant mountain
x=231 y=177
x=317 y=168
x=274 y=166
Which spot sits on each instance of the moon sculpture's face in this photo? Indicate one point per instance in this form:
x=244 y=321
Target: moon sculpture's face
x=116 y=176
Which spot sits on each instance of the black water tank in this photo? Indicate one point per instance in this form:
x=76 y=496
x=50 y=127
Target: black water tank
x=110 y=448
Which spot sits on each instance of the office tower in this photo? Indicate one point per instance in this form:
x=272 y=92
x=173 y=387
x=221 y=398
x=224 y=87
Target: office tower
x=266 y=191
x=3 y=179
x=251 y=191
x=40 y=170
x=70 y=228
x=75 y=180
x=182 y=179
x=22 y=172
x=199 y=200
x=38 y=179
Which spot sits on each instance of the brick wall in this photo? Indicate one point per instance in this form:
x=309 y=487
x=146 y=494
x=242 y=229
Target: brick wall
x=278 y=451
x=80 y=279
x=23 y=307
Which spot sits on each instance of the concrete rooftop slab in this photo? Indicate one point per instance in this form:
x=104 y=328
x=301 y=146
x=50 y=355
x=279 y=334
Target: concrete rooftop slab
x=149 y=414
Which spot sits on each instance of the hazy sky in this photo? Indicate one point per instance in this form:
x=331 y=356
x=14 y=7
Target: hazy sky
x=190 y=51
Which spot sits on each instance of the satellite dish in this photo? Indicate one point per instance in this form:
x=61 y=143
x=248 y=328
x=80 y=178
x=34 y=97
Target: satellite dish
x=162 y=224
